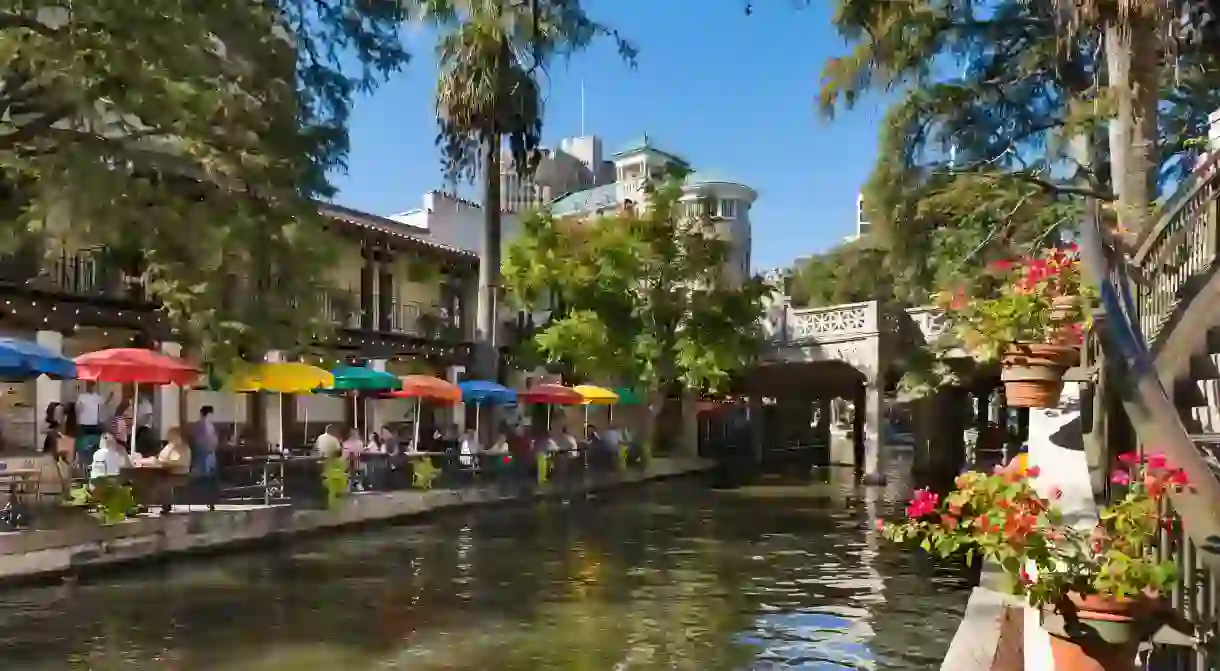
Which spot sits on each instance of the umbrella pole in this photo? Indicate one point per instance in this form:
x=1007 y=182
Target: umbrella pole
x=419 y=401
x=281 y=422
x=135 y=417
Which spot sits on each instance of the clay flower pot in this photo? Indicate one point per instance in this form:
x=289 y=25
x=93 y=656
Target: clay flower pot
x=1095 y=633
x=1033 y=373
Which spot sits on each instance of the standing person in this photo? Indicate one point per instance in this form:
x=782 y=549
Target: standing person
x=146 y=437
x=203 y=443
x=88 y=408
x=467 y=448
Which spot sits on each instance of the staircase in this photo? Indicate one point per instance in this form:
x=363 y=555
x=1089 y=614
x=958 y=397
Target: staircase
x=1176 y=296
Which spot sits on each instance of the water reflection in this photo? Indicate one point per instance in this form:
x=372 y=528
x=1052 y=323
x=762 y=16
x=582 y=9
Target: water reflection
x=665 y=577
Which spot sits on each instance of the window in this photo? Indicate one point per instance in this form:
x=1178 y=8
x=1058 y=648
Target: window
x=728 y=208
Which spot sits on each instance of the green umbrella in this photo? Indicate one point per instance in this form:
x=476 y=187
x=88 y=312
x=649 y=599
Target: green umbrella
x=628 y=396
x=359 y=378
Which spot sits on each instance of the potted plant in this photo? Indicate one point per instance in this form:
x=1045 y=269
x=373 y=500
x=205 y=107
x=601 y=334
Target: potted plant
x=1098 y=588
x=1030 y=319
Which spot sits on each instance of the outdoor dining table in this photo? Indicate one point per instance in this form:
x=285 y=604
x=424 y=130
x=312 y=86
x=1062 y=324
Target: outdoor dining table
x=153 y=484
x=22 y=484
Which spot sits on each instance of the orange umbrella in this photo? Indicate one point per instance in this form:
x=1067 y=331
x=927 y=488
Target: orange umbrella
x=420 y=387
x=431 y=388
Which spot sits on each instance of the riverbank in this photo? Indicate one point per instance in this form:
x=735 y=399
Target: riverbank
x=85 y=545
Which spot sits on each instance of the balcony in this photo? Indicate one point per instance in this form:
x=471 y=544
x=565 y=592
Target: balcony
x=341 y=308
x=85 y=274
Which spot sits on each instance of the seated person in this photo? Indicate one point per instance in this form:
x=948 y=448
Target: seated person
x=175 y=457
x=499 y=445
x=109 y=460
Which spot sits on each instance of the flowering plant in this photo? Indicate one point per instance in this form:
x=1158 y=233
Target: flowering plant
x=1004 y=518
x=1040 y=300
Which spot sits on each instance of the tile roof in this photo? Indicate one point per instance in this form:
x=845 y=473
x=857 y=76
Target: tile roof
x=390 y=227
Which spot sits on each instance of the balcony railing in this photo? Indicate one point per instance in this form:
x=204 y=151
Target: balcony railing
x=85 y=273
x=341 y=308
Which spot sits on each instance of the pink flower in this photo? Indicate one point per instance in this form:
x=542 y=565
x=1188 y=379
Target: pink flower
x=1033 y=471
x=923 y=502
x=879 y=524
x=1121 y=478
x=1156 y=462
x=1056 y=493
x=1024 y=577
x=1129 y=458
x=1177 y=478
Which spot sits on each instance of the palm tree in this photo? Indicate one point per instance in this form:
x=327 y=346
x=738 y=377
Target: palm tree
x=491 y=54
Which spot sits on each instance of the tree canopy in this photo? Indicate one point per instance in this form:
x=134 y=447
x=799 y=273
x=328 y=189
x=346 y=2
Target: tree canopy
x=191 y=142
x=642 y=296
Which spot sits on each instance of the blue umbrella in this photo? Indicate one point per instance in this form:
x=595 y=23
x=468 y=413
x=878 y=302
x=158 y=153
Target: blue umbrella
x=482 y=392
x=22 y=359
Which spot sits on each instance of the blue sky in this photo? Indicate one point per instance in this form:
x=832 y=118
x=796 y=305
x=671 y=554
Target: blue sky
x=734 y=94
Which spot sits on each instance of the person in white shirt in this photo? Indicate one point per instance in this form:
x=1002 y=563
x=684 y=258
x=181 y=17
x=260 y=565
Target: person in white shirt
x=499 y=445
x=88 y=421
x=109 y=460
x=328 y=445
x=566 y=441
x=468 y=448
x=146 y=437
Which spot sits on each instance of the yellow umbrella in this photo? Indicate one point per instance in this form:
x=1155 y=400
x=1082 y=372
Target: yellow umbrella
x=288 y=377
x=594 y=395
x=285 y=377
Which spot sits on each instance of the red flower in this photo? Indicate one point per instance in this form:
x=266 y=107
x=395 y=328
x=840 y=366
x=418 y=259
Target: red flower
x=1129 y=458
x=1121 y=478
x=1001 y=266
x=1024 y=577
x=1033 y=471
x=1156 y=462
x=1177 y=478
x=923 y=502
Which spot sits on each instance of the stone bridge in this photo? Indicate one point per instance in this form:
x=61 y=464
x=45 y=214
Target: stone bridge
x=848 y=351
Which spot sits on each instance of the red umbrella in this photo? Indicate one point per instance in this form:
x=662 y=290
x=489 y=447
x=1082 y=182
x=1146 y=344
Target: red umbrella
x=550 y=394
x=134 y=365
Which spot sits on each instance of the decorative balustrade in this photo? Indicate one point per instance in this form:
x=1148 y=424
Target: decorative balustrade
x=930 y=320
x=837 y=321
x=85 y=273
x=1179 y=250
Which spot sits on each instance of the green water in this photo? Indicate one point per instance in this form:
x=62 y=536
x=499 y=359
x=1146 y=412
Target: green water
x=669 y=576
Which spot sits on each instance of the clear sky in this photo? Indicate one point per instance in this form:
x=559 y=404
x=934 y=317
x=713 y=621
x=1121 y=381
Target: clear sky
x=734 y=94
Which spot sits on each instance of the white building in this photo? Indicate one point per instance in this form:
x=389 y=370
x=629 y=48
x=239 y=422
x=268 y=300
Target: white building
x=863 y=227
x=729 y=199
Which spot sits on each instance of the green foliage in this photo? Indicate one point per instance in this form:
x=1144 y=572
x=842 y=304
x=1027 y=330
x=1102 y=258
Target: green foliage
x=1002 y=517
x=335 y=480
x=644 y=297
x=930 y=368
x=192 y=143
x=424 y=473
x=106 y=499
x=854 y=272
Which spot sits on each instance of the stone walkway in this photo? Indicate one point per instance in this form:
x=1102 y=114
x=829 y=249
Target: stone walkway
x=79 y=543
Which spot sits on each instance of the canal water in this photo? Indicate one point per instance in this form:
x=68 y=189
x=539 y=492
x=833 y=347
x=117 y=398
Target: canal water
x=667 y=576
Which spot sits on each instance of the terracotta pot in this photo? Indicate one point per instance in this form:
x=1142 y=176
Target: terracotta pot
x=1033 y=373
x=1095 y=633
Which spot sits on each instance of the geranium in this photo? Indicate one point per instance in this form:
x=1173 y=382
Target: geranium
x=1042 y=299
x=1003 y=517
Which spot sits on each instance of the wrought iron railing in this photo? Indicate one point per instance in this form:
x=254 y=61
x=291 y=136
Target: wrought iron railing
x=341 y=308
x=1179 y=251
x=404 y=317
x=84 y=273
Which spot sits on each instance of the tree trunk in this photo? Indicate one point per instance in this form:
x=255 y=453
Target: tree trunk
x=1131 y=61
x=486 y=354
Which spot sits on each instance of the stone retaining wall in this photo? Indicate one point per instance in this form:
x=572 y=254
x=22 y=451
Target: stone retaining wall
x=84 y=544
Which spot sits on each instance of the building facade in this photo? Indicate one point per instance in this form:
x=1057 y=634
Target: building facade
x=576 y=164
x=397 y=301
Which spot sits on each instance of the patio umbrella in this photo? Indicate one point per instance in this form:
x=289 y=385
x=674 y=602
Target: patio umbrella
x=482 y=392
x=362 y=378
x=594 y=395
x=420 y=387
x=627 y=396
x=284 y=377
x=135 y=366
x=550 y=394
x=22 y=359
